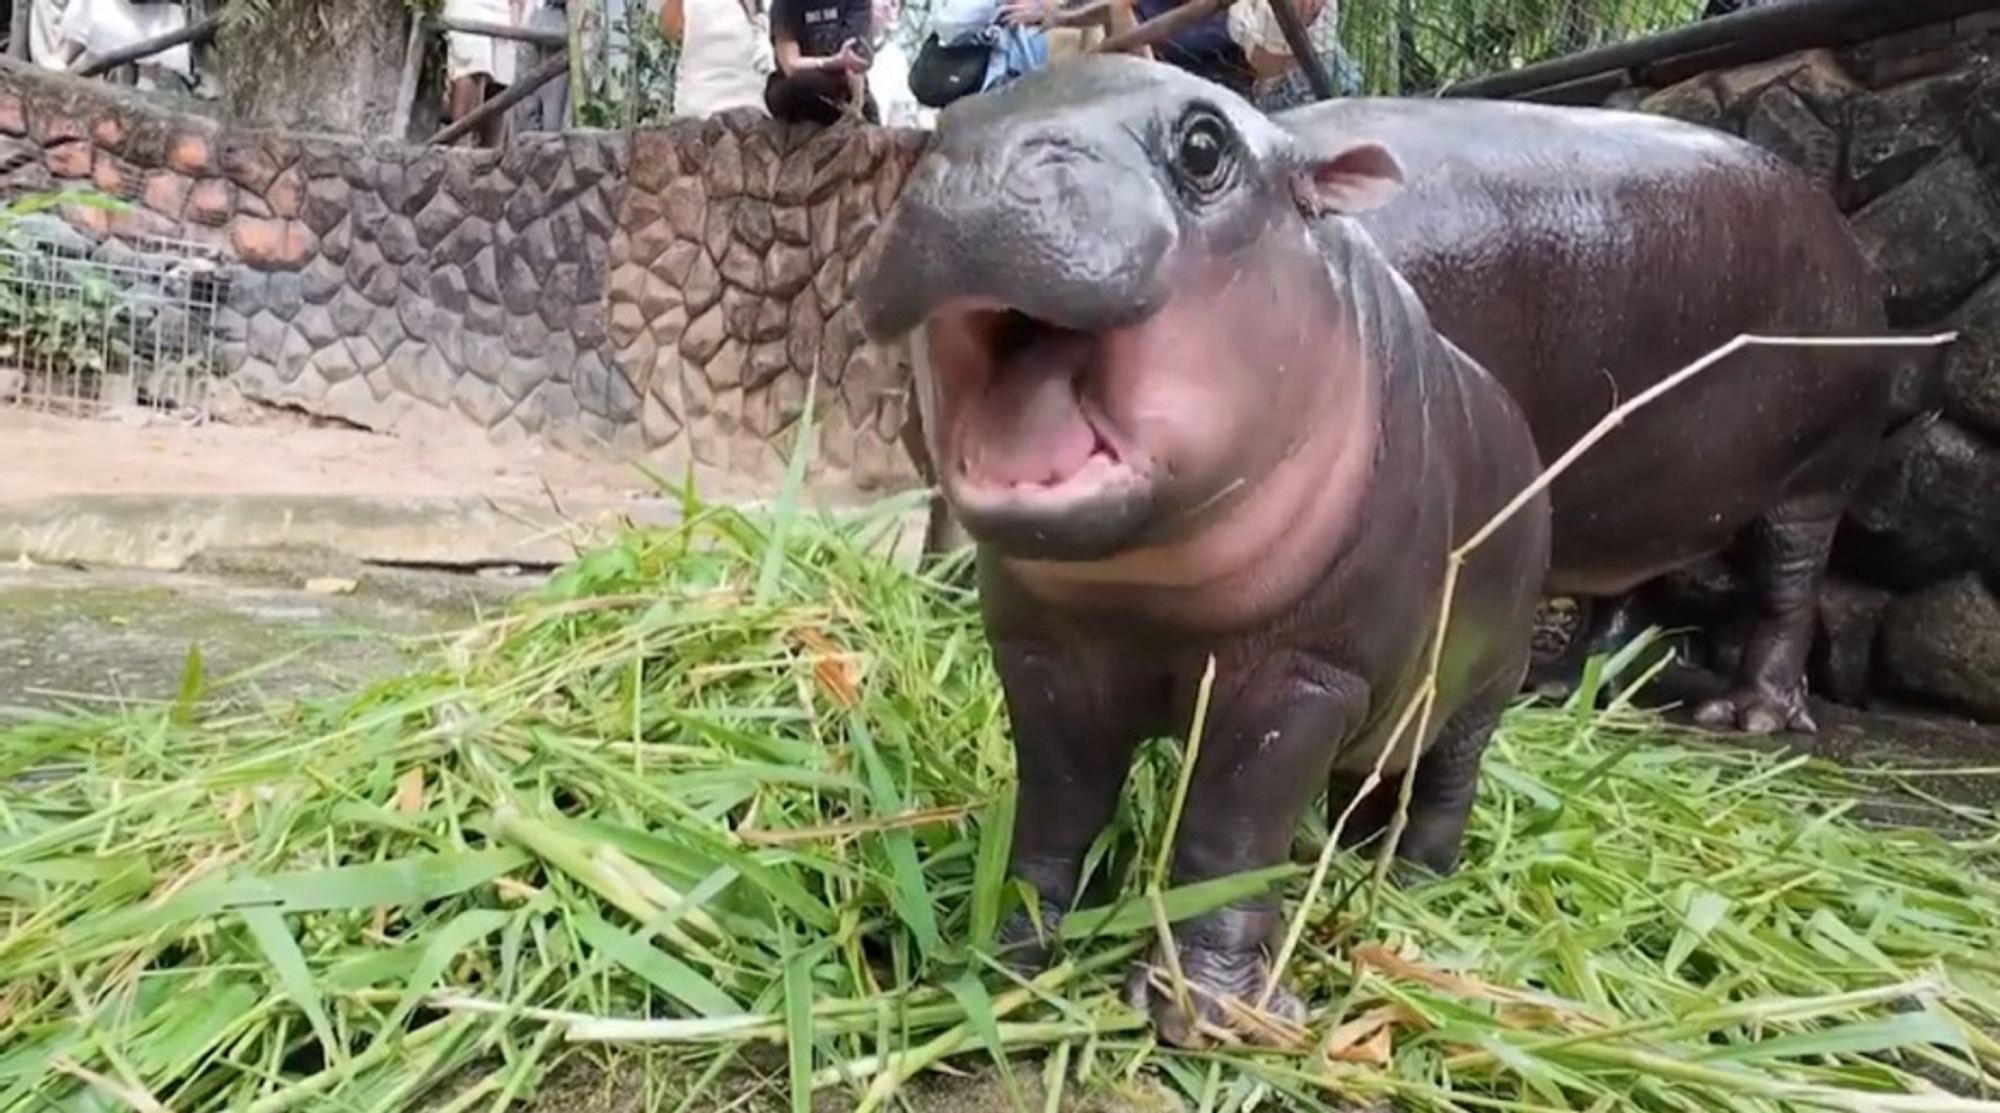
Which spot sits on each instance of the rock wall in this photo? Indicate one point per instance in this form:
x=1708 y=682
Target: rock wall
x=670 y=294
x=1905 y=133
x=664 y=294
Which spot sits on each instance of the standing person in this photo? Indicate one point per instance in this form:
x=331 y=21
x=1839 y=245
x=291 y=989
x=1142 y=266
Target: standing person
x=480 y=66
x=725 y=54
x=822 y=51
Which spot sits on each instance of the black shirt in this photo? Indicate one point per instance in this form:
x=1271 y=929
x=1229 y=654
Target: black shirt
x=820 y=26
x=1203 y=48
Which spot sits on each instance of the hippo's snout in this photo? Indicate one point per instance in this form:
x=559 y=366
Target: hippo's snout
x=1033 y=222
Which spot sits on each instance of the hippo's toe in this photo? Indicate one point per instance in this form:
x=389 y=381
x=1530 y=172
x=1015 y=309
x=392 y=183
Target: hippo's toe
x=1757 y=711
x=1026 y=944
x=1222 y=988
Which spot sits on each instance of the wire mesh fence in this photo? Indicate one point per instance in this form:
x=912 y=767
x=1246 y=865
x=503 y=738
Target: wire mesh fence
x=90 y=325
x=1417 y=46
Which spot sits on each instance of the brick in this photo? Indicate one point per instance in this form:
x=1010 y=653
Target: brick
x=165 y=193
x=108 y=132
x=13 y=115
x=69 y=160
x=286 y=194
x=212 y=201
x=109 y=178
x=190 y=154
x=54 y=127
x=270 y=244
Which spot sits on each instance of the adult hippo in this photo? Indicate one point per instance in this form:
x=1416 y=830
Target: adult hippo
x=1154 y=485
x=1582 y=255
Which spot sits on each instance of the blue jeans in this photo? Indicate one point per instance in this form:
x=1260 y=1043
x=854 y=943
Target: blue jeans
x=1291 y=89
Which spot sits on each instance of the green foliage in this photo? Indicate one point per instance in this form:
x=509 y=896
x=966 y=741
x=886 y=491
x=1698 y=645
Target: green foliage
x=1419 y=45
x=743 y=785
x=74 y=329
x=638 y=89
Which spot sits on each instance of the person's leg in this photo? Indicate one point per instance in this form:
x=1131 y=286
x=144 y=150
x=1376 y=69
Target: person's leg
x=465 y=94
x=493 y=131
x=814 y=96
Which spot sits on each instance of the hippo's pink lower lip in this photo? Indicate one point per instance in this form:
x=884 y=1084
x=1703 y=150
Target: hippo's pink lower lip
x=1104 y=474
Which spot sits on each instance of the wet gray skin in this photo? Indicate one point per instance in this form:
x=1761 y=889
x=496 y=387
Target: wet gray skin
x=1187 y=410
x=1583 y=255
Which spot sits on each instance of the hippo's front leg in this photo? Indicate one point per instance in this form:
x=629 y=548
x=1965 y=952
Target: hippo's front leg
x=1265 y=753
x=1075 y=729
x=1788 y=549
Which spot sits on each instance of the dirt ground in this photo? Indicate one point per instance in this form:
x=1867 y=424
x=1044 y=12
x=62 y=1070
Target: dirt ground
x=132 y=452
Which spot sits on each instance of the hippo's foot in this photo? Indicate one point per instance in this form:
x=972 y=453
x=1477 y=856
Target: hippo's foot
x=1758 y=710
x=1222 y=991
x=1024 y=944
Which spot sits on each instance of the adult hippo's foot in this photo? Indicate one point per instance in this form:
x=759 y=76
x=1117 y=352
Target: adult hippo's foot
x=1788 y=550
x=1757 y=712
x=1223 y=988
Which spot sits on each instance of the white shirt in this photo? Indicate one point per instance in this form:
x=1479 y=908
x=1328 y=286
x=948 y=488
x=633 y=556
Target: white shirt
x=725 y=58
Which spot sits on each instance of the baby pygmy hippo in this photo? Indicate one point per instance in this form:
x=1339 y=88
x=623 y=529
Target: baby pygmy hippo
x=1184 y=408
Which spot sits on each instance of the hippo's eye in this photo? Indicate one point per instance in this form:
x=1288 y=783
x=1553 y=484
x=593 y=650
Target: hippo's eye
x=1204 y=150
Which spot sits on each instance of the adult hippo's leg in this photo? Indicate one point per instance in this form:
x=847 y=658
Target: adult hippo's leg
x=1267 y=748
x=1074 y=737
x=1788 y=550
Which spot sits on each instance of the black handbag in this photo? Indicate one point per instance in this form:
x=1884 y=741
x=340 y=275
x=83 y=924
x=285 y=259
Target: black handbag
x=940 y=74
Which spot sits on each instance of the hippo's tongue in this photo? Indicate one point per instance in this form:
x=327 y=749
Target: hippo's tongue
x=1028 y=428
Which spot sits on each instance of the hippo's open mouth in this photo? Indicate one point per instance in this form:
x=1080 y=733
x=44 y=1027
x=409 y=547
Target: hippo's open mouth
x=1020 y=399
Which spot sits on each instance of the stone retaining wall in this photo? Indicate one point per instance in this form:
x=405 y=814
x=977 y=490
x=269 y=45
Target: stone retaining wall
x=670 y=294
x=1905 y=132
x=664 y=294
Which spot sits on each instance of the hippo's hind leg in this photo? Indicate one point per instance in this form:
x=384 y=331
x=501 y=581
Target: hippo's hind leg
x=1441 y=796
x=1788 y=550
x=1268 y=745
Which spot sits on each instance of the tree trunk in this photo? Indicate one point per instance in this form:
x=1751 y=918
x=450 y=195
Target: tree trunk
x=317 y=65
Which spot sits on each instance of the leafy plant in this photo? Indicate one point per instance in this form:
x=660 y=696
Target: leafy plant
x=726 y=806
x=66 y=319
x=636 y=90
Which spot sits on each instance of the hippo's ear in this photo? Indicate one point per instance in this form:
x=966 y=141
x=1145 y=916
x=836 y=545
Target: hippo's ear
x=1351 y=180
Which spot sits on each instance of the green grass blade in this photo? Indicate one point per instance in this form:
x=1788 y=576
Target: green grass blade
x=288 y=967
x=668 y=974
x=798 y=1023
x=989 y=874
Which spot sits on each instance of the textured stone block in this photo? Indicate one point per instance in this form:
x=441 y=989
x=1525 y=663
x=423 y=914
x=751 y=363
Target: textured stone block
x=1943 y=645
x=1782 y=124
x=1935 y=238
x=1927 y=509
x=1895 y=133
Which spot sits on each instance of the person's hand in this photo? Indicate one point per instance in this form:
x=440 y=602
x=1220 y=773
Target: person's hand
x=1027 y=13
x=852 y=58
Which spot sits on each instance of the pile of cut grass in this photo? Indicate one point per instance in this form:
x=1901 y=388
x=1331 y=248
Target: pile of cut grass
x=731 y=800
